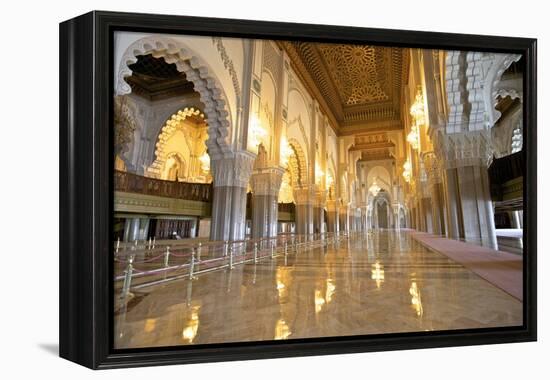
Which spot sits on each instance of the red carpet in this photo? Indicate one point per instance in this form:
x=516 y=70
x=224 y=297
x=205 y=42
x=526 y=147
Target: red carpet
x=502 y=269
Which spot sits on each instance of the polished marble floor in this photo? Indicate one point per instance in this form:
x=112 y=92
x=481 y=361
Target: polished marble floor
x=384 y=282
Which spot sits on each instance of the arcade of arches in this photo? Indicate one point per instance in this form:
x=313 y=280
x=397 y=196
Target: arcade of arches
x=399 y=150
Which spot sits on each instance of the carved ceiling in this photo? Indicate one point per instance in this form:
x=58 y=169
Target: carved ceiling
x=360 y=85
x=154 y=79
x=373 y=146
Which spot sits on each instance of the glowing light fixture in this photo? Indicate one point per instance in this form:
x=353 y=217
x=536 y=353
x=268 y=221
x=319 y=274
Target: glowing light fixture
x=318 y=173
x=374 y=189
x=407 y=171
x=205 y=162
x=257 y=132
x=286 y=151
x=418 y=116
x=413 y=137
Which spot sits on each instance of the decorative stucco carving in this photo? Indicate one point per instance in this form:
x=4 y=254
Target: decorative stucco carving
x=357 y=71
x=468 y=149
x=125 y=124
x=172 y=125
x=228 y=64
x=198 y=72
x=266 y=181
x=233 y=171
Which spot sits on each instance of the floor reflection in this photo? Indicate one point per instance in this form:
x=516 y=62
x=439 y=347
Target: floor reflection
x=381 y=282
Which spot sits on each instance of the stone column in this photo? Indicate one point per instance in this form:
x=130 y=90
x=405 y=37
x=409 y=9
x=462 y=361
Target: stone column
x=477 y=207
x=304 y=211
x=343 y=219
x=134 y=229
x=231 y=176
x=468 y=157
x=332 y=216
x=265 y=185
x=454 y=216
x=319 y=211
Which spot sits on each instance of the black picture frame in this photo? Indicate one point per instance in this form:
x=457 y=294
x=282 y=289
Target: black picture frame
x=86 y=189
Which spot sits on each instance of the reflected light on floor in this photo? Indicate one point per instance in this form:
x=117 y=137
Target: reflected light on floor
x=377 y=274
x=330 y=290
x=319 y=301
x=416 y=300
x=150 y=325
x=190 y=330
x=282 y=331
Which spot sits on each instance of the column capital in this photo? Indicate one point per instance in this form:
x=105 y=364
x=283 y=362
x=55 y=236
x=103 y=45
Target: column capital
x=467 y=149
x=266 y=181
x=303 y=196
x=234 y=170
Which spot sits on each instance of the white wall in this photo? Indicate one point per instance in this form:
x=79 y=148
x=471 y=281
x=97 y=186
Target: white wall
x=30 y=304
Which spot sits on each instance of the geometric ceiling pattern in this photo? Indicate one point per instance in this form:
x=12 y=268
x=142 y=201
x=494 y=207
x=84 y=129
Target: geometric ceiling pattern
x=361 y=86
x=353 y=69
x=155 y=79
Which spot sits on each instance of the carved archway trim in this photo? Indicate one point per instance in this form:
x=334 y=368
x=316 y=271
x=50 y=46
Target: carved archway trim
x=198 y=72
x=172 y=125
x=301 y=163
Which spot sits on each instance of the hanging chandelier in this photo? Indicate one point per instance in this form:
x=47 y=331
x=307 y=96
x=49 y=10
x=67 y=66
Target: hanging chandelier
x=257 y=132
x=407 y=171
x=318 y=173
x=205 y=162
x=286 y=151
x=374 y=189
x=413 y=137
x=417 y=114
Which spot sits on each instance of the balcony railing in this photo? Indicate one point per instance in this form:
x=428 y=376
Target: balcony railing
x=133 y=183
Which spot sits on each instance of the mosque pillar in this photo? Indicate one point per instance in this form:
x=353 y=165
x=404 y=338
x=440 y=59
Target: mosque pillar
x=332 y=216
x=231 y=176
x=363 y=217
x=265 y=185
x=452 y=207
x=304 y=211
x=471 y=154
x=319 y=211
x=477 y=207
x=396 y=225
x=343 y=218
x=133 y=232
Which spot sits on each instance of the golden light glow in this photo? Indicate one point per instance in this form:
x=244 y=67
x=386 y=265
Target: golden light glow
x=377 y=273
x=319 y=301
x=413 y=137
x=417 y=108
x=205 y=162
x=407 y=171
x=282 y=331
x=418 y=116
x=330 y=180
x=374 y=189
x=282 y=281
x=150 y=324
x=257 y=133
x=286 y=151
x=318 y=173
x=190 y=330
x=330 y=290
x=416 y=300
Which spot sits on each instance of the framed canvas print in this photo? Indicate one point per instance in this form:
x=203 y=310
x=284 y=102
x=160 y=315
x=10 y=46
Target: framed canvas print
x=237 y=189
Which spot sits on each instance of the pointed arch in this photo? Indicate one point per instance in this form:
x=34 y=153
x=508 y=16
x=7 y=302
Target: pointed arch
x=198 y=72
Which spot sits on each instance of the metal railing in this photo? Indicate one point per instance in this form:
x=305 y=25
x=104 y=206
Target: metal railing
x=149 y=263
